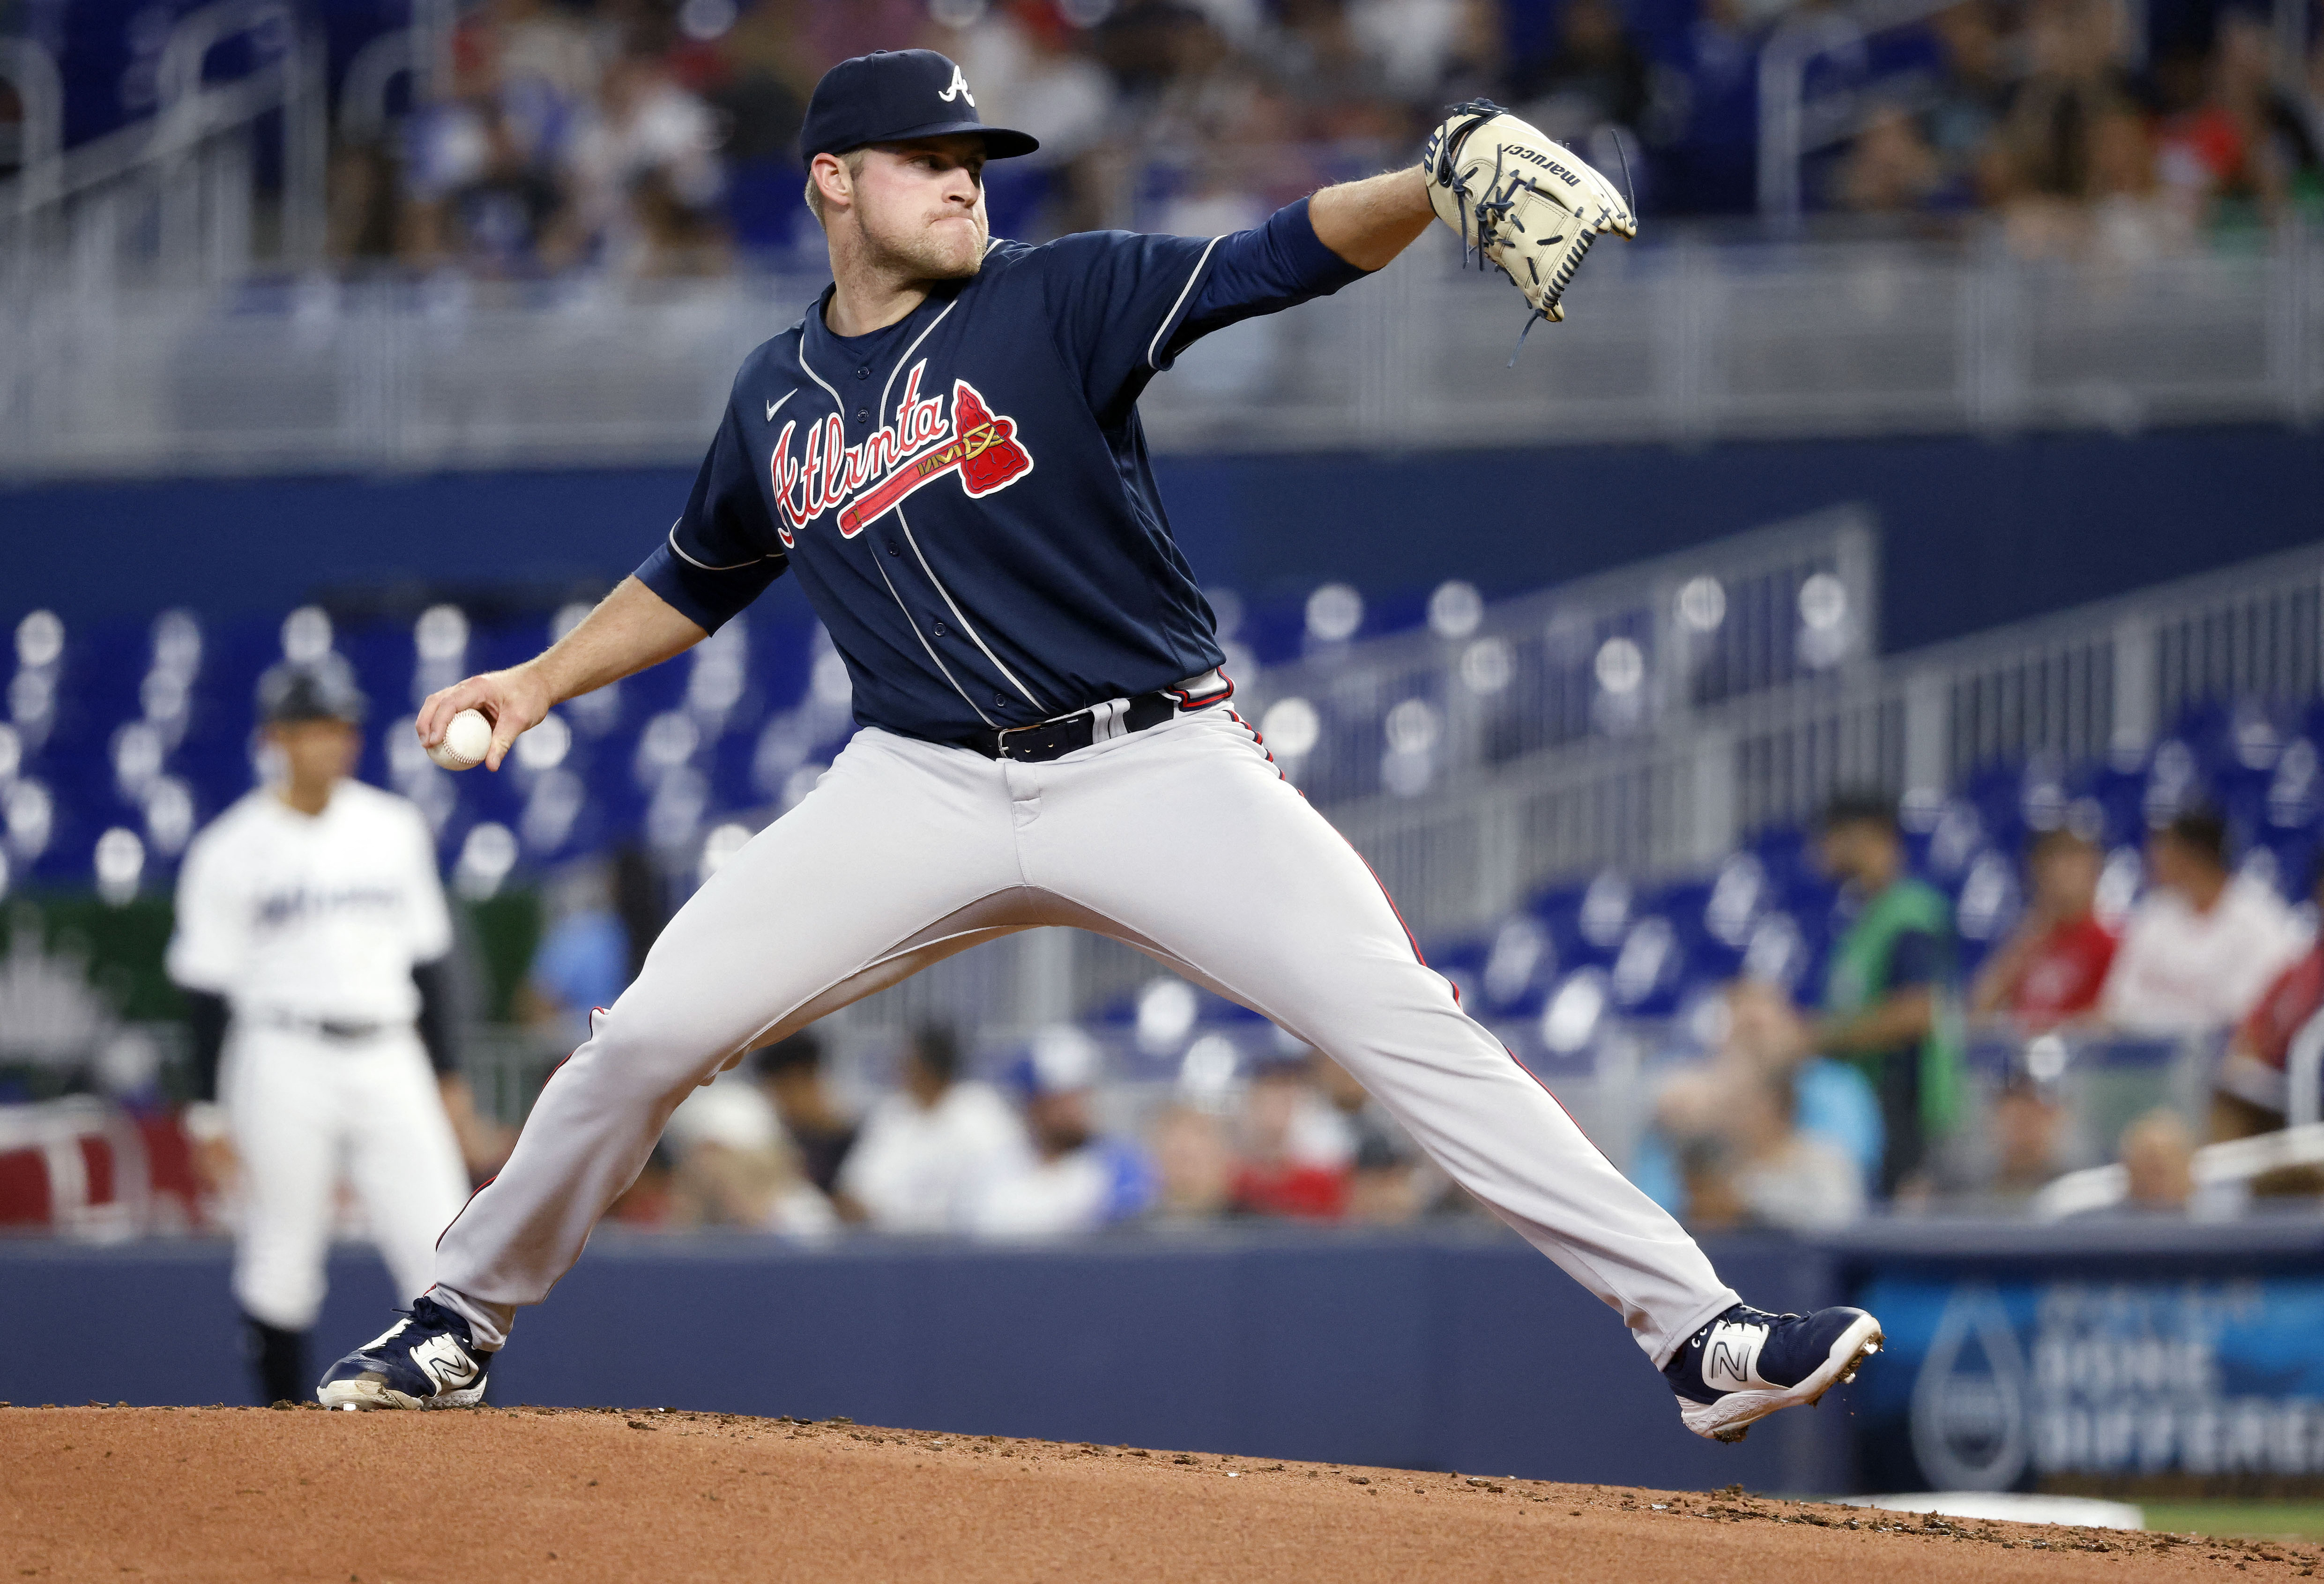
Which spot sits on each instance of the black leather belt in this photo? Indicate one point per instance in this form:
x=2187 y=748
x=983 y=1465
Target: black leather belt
x=1048 y=740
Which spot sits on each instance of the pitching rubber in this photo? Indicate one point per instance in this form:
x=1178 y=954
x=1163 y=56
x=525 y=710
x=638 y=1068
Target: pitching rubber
x=1732 y=1416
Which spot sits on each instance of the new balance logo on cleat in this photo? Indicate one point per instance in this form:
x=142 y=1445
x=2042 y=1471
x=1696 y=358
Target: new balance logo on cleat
x=445 y=1362
x=1734 y=1349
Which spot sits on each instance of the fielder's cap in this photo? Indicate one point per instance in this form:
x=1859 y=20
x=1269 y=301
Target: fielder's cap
x=317 y=690
x=892 y=96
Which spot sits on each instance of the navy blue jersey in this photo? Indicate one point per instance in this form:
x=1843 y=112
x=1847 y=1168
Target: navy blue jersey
x=966 y=495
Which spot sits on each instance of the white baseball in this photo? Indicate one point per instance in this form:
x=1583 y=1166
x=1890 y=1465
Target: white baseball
x=465 y=742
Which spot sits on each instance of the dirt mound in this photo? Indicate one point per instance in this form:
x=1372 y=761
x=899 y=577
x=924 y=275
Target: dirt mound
x=246 y=1494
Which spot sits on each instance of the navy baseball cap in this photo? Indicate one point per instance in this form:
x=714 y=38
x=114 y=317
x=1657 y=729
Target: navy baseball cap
x=892 y=96
x=319 y=690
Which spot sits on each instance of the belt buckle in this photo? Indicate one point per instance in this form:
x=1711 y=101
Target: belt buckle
x=1002 y=733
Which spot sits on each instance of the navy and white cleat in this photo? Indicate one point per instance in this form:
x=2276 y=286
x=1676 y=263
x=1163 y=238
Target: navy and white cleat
x=1748 y=1363
x=424 y=1360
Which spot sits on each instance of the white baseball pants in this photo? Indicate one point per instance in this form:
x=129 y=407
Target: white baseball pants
x=302 y=1112
x=1184 y=841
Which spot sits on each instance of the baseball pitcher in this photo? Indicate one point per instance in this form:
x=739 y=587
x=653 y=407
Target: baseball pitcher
x=946 y=453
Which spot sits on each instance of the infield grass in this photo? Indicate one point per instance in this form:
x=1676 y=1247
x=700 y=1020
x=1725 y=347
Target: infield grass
x=2274 y=1520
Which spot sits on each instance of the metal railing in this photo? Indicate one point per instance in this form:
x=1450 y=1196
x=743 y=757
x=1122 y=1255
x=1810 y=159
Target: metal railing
x=172 y=199
x=1684 y=341
x=2102 y=678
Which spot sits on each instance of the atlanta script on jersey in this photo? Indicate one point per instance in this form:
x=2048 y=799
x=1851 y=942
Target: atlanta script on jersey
x=921 y=446
x=966 y=495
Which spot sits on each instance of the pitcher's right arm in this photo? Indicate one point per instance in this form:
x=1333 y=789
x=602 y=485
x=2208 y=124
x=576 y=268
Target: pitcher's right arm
x=631 y=629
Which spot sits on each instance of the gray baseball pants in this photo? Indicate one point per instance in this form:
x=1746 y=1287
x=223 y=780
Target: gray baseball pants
x=1184 y=841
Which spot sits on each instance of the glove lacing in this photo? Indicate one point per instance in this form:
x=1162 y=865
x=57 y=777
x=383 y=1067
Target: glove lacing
x=1487 y=213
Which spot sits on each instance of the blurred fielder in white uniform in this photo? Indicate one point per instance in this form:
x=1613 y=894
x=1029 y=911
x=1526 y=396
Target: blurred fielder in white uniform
x=311 y=944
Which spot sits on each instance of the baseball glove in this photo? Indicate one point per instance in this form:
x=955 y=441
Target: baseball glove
x=1529 y=206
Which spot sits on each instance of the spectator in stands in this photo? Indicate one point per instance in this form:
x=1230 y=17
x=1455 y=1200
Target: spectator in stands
x=540 y=48
x=1032 y=71
x=1321 y=60
x=2241 y=147
x=1077 y=1180
x=790 y=1074
x=752 y=78
x=2039 y=168
x=1295 y=1158
x=1891 y=170
x=929 y=1154
x=1432 y=52
x=1970 y=97
x=2131 y=218
x=2027 y=1125
x=1389 y=1182
x=1885 y=991
x=1832 y=1100
x=2051 y=967
x=2253 y=1093
x=583 y=960
x=1195 y=1168
x=2023 y=1142
x=2201 y=944
x=645 y=171
x=2158 y=1159
x=1763 y=1132
x=1152 y=45
x=650 y=1203
x=1745 y=1162
x=480 y=173
x=736 y=1169
x=1592 y=75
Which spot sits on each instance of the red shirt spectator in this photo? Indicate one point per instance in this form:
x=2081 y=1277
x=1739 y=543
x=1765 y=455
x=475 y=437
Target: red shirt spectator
x=2055 y=965
x=2253 y=1094
x=2295 y=996
x=1291 y=1188
x=2063 y=972
x=1290 y=1165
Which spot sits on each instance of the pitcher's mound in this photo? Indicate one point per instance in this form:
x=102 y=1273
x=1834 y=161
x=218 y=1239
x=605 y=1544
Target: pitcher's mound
x=249 y=1494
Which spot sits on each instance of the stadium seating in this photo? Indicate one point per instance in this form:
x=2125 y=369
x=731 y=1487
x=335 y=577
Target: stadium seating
x=121 y=740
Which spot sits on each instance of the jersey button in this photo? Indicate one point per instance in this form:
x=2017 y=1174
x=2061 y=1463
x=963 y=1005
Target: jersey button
x=891 y=547
x=862 y=415
x=940 y=629
x=1001 y=701
x=862 y=373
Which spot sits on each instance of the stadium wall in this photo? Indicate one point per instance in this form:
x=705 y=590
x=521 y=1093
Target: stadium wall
x=1977 y=532
x=1471 y=1353
x=2144 y=1357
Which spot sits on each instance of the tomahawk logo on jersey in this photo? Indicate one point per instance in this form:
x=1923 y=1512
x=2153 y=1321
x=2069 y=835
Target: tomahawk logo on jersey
x=972 y=442
x=895 y=473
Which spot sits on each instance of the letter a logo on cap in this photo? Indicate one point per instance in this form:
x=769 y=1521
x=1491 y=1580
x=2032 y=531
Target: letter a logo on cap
x=959 y=89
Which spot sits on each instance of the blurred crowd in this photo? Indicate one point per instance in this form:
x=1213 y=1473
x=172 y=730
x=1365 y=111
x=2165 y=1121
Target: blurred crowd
x=656 y=137
x=1805 y=1117
x=1044 y=1148
x=2035 y=112
x=1800 y=1117
x=1797 y=1110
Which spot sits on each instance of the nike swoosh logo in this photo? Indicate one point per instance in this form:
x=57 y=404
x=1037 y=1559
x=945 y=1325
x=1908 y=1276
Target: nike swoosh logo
x=775 y=407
